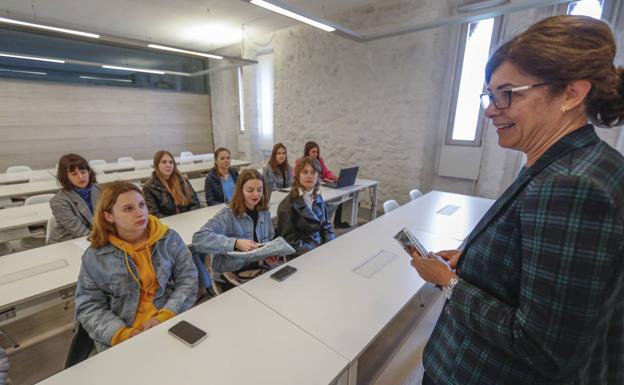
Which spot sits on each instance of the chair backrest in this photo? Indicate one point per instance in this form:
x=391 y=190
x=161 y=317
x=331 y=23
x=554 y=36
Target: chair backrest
x=415 y=193
x=49 y=229
x=97 y=162
x=185 y=154
x=125 y=159
x=390 y=205
x=13 y=169
x=33 y=200
x=80 y=348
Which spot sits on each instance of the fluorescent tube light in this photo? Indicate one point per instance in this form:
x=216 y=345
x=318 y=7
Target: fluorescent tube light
x=24 y=72
x=473 y=7
x=134 y=69
x=107 y=79
x=32 y=58
x=49 y=28
x=292 y=15
x=157 y=46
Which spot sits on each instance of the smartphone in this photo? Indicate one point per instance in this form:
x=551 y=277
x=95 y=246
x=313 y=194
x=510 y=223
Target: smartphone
x=283 y=273
x=408 y=240
x=187 y=333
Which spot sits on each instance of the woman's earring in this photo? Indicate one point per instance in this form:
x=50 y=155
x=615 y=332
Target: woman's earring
x=564 y=109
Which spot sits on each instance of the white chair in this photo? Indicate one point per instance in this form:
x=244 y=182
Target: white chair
x=185 y=154
x=14 y=169
x=38 y=233
x=33 y=200
x=415 y=194
x=97 y=162
x=390 y=205
x=125 y=159
x=51 y=225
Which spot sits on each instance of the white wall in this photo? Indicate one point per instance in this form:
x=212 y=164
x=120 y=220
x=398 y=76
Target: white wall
x=379 y=105
x=40 y=121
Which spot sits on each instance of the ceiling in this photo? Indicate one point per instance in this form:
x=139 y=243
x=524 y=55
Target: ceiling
x=194 y=24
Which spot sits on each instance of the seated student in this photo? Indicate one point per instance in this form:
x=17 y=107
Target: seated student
x=73 y=204
x=243 y=225
x=302 y=215
x=168 y=192
x=137 y=272
x=311 y=149
x=278 y=173
x=219 y=184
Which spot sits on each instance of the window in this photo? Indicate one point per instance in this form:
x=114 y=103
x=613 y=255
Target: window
x=591 y=8
x=265 y=100
x=467 y=115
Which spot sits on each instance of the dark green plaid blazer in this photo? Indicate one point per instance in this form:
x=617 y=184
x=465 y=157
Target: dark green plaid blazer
x=542 y=296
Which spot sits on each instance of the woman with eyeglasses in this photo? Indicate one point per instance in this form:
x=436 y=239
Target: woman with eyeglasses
x=536 y=296
x=72 y=206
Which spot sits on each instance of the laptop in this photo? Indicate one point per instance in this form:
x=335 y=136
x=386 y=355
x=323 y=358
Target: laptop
x=346 y=178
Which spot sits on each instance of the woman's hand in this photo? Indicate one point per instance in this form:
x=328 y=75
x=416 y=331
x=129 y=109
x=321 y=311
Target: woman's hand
x=245 y=245
x=150 y=323
x=432 y=268
x=450 y=256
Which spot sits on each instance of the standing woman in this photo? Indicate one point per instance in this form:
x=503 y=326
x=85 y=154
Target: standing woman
x=278 y=173
x=137 y=272
x=242 y=225
x=302 y=215
x=168 y=192
x=72 y=206
x=219 y=185
x=537 y=296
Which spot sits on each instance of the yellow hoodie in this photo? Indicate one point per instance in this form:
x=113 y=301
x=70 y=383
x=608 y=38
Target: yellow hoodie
x=142 y=258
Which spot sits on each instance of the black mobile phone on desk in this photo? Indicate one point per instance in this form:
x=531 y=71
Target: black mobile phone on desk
x=283 y=273
x=187 y=333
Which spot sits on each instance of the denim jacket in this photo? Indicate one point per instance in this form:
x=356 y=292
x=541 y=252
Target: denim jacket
x=220 y=233
x=107 y=296
x=274 y=179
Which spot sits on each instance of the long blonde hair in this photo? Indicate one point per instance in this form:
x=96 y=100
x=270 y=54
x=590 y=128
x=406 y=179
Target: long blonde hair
x=296 y=183
x=108 y=197
x=176 y=184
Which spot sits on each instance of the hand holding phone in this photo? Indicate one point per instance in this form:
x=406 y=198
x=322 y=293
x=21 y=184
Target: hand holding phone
x=410 y=243
x=187 y=333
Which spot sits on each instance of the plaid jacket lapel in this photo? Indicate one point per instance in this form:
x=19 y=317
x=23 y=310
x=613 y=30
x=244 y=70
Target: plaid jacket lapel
x=582 y=137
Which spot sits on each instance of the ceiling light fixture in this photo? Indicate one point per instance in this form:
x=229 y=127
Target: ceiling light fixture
x=107 y=79
x=32 y=58
x=49 y=28
x=292 y=15
x=24 y=72
x=134 y=69
x=480 y=5
x=165 y=48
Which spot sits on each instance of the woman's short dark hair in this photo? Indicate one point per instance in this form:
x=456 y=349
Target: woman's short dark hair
x=70 y=163
x=564 y=48
x=309 y=146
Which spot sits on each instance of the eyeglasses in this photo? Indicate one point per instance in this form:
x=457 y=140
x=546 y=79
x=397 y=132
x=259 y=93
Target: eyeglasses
x=502 y=98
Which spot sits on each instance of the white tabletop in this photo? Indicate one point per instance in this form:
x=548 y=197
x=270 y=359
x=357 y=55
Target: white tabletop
x=35 y=272
x=27 y=189
x=346 y=291
x=20 y=216
x=450 y=215
x=247 y=343
x=25 y=177
x=196 y=158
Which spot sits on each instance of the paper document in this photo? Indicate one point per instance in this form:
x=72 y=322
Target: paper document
x=277 y=247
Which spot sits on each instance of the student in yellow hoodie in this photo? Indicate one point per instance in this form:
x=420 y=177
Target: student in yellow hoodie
x=137 y=272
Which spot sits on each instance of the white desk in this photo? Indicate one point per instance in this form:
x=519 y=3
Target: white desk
x=344 y=309
x=14 y=221
x=247 y=344
x=33 y=277
x=26 y=189
x=25 y=177
x=450 y=215
x=195 y=158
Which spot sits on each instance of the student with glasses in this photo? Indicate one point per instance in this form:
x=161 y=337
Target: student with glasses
x=536 y=296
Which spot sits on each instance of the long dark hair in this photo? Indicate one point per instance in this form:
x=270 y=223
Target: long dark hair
x=309 y=146
x=283 y=168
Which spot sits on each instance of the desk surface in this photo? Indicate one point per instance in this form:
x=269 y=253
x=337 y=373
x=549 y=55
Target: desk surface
x=363 y=279
x=25 y=177
x=35 y=272
x=20 y=216
x=450 y=215
x=247 y=343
